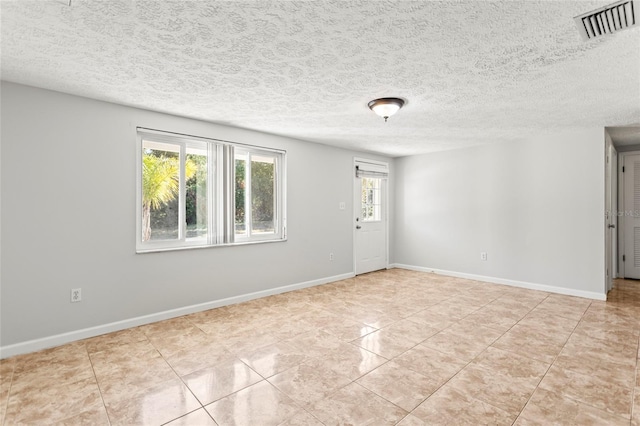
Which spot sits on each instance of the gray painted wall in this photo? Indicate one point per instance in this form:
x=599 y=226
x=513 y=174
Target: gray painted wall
x=68 y=219
x=68 y=180
x=536 y=207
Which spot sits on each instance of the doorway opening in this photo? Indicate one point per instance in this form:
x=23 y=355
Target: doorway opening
x=622 y=204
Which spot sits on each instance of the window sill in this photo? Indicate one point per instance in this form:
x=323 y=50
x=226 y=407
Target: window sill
x=240 y=243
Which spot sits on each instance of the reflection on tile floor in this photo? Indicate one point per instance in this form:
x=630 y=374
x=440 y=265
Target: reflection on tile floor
x=390 y=347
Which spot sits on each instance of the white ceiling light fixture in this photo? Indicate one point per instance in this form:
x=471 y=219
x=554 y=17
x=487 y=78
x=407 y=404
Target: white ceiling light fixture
x=386 y=107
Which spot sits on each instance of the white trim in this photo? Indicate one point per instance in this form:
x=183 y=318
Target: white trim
x=72 y=336
x=611 y=210
x=503 y=281
x=370 y=161
x=620 y=219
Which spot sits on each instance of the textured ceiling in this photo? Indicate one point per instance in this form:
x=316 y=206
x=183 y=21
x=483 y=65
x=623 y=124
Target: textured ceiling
x=624 y=136
x=472 y=72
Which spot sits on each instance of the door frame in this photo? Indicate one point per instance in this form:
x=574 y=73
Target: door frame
x=611 y=213
x=356 y=207
x=615 y=202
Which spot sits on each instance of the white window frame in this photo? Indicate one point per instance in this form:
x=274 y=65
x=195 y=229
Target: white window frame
x=220 y=193
x=250 y=236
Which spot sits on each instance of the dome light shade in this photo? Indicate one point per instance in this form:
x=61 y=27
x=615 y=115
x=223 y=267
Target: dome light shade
x=386 y=107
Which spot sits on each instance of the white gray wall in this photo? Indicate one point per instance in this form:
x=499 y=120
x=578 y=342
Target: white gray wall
x=68 y=219
x=68 y=177
x=535 y=206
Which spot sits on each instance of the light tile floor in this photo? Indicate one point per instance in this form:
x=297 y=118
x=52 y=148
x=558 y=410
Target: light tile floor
x=391 y=347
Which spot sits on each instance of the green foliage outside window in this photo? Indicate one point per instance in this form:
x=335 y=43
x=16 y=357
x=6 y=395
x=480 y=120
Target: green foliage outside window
x=160 y=184
x=262 y=195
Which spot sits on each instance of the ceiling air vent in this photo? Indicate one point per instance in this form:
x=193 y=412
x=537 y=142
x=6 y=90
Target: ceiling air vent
x=607 y=20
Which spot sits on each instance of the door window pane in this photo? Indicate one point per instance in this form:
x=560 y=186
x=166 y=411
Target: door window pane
x=371 y=201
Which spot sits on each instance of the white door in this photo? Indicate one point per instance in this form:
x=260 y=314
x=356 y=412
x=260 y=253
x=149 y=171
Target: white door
x=632 y=216
x=370 y=190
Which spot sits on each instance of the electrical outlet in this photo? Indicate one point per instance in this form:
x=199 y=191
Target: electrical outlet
x=76 y=295
x=331 y=257
x=342 y=205
x=483 y=255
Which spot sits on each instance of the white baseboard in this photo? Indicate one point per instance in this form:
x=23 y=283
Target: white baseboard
x=72 y=336
x=513 y=283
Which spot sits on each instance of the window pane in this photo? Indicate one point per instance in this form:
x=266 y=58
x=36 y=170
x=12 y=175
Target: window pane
x=371 y=203
x=196 y=191
x=262 y=194
x=240 y=193
x=160 y=187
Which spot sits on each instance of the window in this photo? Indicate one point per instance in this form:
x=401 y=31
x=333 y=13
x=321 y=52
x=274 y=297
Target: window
x=196 y=192
x=371 y=175
x=371 y=202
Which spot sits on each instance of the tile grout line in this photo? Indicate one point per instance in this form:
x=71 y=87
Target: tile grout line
x=265 y=379
x=550 y=364
x=458 y=372
x=636 y=386
x=296 y=402
x=95 y=376
x=176 y=373
x=578 y=401
x=189 y=389
x=6 y=406
x=467 y=364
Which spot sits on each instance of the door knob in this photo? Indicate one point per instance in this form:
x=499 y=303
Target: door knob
x=612 y=226
x=358 y=227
